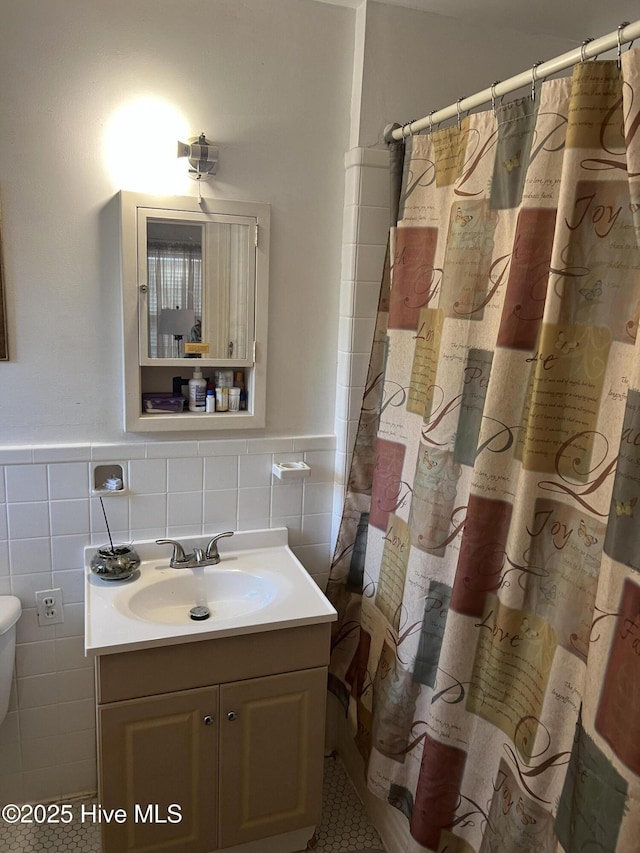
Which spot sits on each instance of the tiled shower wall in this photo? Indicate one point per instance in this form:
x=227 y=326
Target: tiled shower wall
x=364 y=240
x=47 y=517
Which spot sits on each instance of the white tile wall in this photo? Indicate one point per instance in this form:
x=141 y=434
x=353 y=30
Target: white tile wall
x=47 y=517
x=365 y=230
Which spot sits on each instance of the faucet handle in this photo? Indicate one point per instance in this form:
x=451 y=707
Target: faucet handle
x=211 y=552
x=178 y=555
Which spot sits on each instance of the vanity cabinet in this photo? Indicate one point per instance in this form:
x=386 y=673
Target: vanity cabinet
x=159 y=751
x=214 y=745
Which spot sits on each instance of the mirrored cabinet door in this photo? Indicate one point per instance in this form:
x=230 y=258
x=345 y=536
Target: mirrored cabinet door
x=195 y=295
x=200 y=281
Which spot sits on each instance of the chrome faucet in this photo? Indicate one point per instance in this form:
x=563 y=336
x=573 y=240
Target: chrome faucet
x=197 y=558
x=211 y=554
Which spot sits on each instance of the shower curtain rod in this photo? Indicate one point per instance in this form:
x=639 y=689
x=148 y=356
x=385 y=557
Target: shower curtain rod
x=625 y=33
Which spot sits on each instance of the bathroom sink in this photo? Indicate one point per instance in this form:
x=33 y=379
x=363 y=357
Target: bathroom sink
x=227 y=593
x=259 y=585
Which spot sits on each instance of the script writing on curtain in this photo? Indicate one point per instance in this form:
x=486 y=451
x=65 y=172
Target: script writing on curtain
x=487 y=576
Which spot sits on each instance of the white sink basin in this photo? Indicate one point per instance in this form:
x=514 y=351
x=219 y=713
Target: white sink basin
x=259 y=585
x=226 y=592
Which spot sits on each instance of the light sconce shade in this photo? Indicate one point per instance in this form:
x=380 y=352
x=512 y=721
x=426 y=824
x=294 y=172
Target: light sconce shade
x=177 y=322
x=202 y=155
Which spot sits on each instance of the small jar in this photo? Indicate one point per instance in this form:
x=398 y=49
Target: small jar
x=222 y=399
x=115 y=564
x=210 y=405
x=234 y=399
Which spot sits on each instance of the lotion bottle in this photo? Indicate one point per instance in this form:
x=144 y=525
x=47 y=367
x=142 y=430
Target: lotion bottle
x=197 y=392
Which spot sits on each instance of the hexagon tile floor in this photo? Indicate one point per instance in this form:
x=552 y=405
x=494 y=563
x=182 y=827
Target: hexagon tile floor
x=344 y=827
x=76 y=837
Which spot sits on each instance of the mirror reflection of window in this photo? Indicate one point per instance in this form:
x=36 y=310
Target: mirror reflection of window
x=200 y=284
x=174 y=275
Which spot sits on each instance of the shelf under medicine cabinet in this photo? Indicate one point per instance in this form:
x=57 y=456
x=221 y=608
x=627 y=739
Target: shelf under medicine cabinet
x=195 y=280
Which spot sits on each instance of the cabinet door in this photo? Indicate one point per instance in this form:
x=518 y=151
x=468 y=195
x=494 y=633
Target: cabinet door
x=271 y=755
x=158 y=760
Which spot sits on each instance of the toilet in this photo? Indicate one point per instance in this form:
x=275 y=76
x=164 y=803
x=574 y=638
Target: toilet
x=10 y=610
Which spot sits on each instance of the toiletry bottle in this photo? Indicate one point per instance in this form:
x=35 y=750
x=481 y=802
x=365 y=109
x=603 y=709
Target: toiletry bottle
x=223 y=378
x=210 y=405
x=238 y=382
x=234 y=399
x=197 y=391
x=222 y=399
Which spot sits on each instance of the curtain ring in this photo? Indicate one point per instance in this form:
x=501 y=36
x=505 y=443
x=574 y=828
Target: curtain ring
x=583 y=49
x=534 y=78
x=620 y=28
x=458 y=108
x=431 y=122
x=493 y=95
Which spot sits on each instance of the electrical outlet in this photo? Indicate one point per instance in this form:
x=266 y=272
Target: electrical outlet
x=49 y=606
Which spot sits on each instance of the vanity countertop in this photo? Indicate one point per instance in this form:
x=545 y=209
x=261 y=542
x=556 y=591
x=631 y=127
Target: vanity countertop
x=259 y=585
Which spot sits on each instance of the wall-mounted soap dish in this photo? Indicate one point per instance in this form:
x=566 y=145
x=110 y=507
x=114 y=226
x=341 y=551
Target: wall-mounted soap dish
x=291 y=470
x=108 y=479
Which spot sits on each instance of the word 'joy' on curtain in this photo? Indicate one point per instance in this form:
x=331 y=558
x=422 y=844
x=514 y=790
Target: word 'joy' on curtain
x=487 y=570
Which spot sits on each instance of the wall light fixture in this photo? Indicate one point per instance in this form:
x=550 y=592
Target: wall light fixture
x=202 y=155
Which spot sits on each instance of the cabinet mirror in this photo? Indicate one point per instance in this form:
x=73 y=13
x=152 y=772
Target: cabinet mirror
x=200 y=274
x=195 y=294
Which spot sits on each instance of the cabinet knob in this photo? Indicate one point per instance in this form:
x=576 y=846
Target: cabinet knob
x=208 y=720
x=231 y=716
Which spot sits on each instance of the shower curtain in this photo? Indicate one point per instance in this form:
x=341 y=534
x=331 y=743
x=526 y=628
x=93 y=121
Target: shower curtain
x=487 y=569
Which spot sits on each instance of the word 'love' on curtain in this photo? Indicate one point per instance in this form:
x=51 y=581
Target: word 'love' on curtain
x=487 y=571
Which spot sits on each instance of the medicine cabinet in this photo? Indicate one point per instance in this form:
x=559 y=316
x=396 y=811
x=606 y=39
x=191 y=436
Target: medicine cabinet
x=195 y=279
